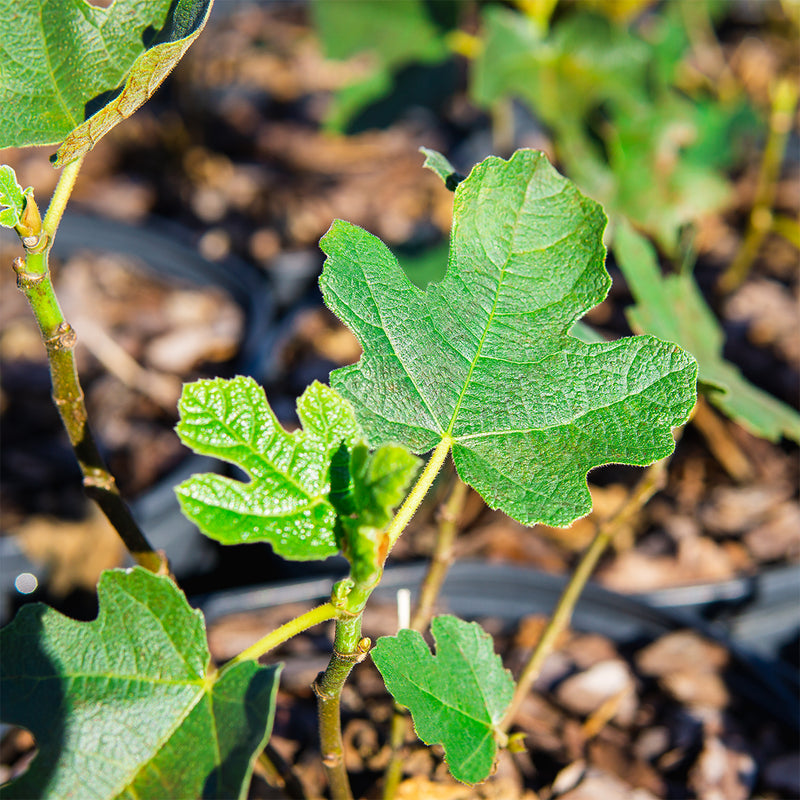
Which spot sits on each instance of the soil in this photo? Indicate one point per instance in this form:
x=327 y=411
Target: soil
x=231 y=150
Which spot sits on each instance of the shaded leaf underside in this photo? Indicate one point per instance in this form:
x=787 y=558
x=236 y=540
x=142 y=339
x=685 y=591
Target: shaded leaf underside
x=70 y=71
x=126 y=706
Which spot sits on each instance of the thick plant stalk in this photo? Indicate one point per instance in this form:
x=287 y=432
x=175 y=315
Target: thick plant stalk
x=650 y=483
x=348 y=649
x=33 y=280
x=784 y=101
x=441 y=559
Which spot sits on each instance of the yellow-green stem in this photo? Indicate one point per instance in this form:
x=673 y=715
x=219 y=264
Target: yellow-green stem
x=784 y=100
x=650 y=483
x=417 y=494
x=285 y=632
x=58 y=202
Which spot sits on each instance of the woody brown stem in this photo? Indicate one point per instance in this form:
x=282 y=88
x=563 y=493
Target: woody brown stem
x=33 y=280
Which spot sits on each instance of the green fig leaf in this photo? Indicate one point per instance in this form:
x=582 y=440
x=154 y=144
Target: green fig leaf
x=484 y=359
x=286 y=502
x=439 y=164
x=457 y=697
x=673 y=307
x=365 y=489
x=129 y=705
x=71 y=71
x=12 y=197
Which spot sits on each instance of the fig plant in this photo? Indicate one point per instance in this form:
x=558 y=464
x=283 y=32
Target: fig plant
x=483 y=366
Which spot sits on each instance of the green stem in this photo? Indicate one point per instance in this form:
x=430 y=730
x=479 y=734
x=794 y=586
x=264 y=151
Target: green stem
x=280 y=635
x=651 y=482
x=417 y=494
x=348 y=649
x=34 y=281
x=58 y=202
x=784 y=101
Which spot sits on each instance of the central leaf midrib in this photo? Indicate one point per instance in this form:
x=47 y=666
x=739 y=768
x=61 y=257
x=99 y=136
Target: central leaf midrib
x=501 y=277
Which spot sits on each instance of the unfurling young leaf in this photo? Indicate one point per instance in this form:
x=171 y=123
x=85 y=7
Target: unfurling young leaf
x=457 y=697
x=78 y=69
x=12 y=197
x=128 y=706
x=286 y=502
x=365 y=489
x=485 y=360
x=673 y=307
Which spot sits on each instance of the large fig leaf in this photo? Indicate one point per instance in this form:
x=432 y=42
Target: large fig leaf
x=70 y=71
x=457 y=698
x=129 y=706
x=673 y=307
x=484 y=358
x=286 y=503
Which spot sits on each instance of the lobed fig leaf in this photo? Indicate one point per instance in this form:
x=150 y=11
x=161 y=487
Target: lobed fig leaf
x=129 y=705
x=457 y=697
x=673 y=307
x=286 y=502
x=70 y=71
x=12 y=197
x=485 y=360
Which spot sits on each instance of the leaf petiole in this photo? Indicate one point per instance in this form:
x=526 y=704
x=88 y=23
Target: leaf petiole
x=61 y=194
x=280 y=635
x=417 y=494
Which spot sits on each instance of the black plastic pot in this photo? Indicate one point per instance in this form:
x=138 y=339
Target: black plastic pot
x=168 y=253
x=475 y=589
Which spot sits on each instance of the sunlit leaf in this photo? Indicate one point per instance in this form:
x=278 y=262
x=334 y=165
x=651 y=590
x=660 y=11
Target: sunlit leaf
x=484 y=358
x=457 y=697
x=286 y=501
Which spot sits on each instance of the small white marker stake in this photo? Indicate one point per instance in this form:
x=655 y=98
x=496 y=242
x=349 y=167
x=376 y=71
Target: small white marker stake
x=403 y=608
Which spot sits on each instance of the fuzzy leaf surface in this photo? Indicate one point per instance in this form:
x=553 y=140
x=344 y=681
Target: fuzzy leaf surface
x=673 y=307
x=485 y=358
x=456 y=697
x=365 y=489
x=127 y=706
x=286 y=502
x=12 y=197
x=70 y=71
